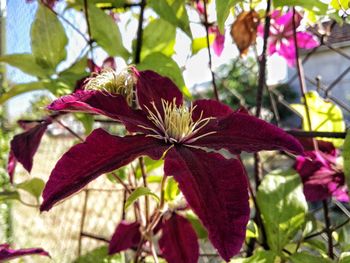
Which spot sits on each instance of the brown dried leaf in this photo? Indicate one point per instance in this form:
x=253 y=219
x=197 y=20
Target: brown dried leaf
x=244 y=29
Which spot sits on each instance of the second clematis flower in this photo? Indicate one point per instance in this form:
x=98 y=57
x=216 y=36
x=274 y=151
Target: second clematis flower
x=281 y=38
x=321 y=175
x=190 y=138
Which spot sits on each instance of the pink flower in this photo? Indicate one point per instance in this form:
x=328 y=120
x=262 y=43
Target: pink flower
x=218 y=44
x=281 y=39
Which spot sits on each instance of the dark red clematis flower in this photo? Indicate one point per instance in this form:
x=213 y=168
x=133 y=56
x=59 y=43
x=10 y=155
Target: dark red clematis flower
x=321 y=176
x=214 y=187
x=178 y=241
x=49 y=3
x=25 y=145
x=6 y=253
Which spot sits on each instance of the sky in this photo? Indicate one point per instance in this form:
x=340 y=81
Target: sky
x=20 y=16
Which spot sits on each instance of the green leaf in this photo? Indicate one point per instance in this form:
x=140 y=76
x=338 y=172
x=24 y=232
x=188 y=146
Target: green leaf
x=171 y=190
x=346 y=157
x=100 y=255
x=140 y=191
x=33 y=186
x=9 y=195
x=197 y=225
x=48 y=39
x=200 y=43
x=106 y=32
x=340 y=4
x=25 y=63
x=173 y=11
x=303 y=257
x=344 y=257
x=158 y=36
x=87 y=120
x=222 y=11
x=260 y=256
x=313 y=5
x=165 y=66
x=325 y=116
x=22 y=88
x=283 y=207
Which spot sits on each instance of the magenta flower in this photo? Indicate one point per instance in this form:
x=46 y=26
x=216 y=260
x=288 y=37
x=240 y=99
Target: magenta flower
x=281 y=38
x=321 y=176
x=219 y=40
x=6 y=253
x=163 y=125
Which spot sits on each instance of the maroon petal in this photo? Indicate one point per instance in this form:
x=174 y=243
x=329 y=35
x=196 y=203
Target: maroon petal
x=25 y=145
x=216 y=190
x=240 y=132
x=90 y=101
x=109 y=63
x=99 y=154
x=6 y=253
x=179 y=241
x=11 y=165
x=152 y=87
x=210 y=108
x=127 y=235
x=323 y=146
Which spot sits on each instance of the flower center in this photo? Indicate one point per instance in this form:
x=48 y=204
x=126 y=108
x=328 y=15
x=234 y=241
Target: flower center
x=111 y=82
x=176 y=123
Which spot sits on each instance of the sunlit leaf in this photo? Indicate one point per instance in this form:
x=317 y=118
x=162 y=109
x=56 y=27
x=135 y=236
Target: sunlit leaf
x=106 y=32
x=325 y=116
x=171 y=189
x=314 y=5
x=158 y=36
x=22 y=88
x=174 y=12
x=197 y=225
x=87 y=120
x=33 y=186
x=346 y=157
x=48 y=39
x=165 y=66
x=26 y=63
x=100 y=255
x=303 y=257
x=200 y=43
x=340 y=4
x=283 y=207
x=261 y=256
x=137 y=193
x=222 y=11
x=344 y=257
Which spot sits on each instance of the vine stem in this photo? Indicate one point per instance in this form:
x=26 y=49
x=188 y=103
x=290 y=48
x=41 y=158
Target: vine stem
x=328 y=229
x=86 y=11
x=69 y=130
x=257 y=218
x=139 y=36
x=144 y=179
x=206 y=25
x=301 y=76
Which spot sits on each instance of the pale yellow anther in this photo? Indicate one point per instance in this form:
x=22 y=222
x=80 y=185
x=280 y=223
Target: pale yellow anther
x=176 y=125
x=111 y=82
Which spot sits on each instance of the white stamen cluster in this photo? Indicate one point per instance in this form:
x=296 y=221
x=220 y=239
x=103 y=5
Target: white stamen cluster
x=176 y=124
x=111 y=82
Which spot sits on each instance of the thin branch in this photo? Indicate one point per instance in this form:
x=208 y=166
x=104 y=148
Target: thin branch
x=328 y=229
x=83 y=214
x=84 y=234
x=262 y=61
x=139 y=37
x=313 y=134
x=206 y=25
x=144 y=181
x=301 y=76
x=69 y=130
x=86 y=11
